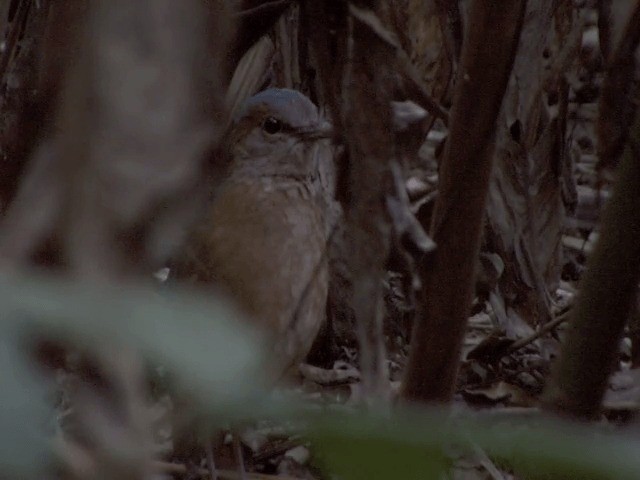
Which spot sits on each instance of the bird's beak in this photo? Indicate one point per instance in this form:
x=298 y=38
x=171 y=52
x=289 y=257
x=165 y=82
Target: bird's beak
x=317 y=132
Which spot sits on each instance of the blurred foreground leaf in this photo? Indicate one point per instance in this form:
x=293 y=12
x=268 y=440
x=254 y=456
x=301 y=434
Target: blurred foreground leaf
x=24 y=416
x=201 y=341
x=410 y=445
x=365 y=448
x=204 y=343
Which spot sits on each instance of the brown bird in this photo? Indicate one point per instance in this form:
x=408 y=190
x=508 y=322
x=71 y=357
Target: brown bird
x=265 y=235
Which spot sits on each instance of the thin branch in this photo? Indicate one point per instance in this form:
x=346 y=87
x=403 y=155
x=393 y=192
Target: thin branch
x=486 y=62
x=546 y=328
x=416 y=86
x=615 y=107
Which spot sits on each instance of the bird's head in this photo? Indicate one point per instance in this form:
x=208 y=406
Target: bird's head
x=276 y=133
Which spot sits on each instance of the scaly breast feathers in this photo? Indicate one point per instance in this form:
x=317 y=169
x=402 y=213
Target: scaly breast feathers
x=266 y=249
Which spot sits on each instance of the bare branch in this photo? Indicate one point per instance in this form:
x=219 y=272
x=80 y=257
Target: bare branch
x=487 y=58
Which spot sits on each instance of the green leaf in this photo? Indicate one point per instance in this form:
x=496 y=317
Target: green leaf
x=24 y=416
x=209 y=347
x=368 y=449
x=204 y=342
x=410 y=444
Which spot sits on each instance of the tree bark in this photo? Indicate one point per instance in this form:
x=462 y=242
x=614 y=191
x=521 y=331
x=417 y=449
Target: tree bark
x=486 y=62
x=608 y=288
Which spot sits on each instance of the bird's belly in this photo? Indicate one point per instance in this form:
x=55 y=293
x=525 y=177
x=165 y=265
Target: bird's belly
x=268 y=250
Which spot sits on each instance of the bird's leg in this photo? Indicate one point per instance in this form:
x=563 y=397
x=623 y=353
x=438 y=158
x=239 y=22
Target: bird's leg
x=211 y=465
x=237 y=450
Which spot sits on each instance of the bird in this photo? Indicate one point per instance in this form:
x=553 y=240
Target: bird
x=264 y=237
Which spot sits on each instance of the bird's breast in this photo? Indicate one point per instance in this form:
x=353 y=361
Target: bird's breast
x=265 y=244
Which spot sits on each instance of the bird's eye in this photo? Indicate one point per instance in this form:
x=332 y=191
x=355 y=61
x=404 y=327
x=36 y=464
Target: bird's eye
x=272 y=125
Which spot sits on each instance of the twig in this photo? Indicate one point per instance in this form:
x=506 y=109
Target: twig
x=262 y=8
x=177 y=468
x=418 y=89
x=547 y=327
